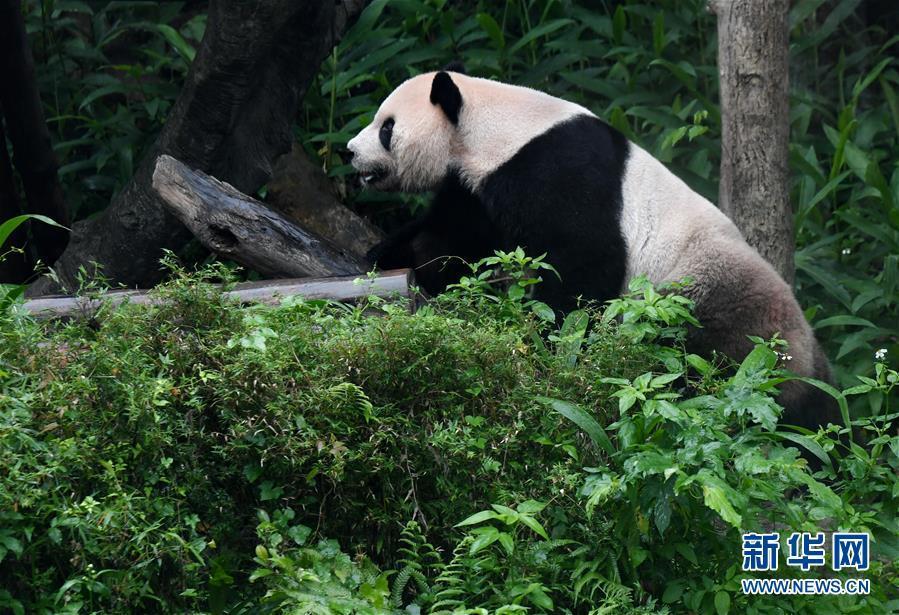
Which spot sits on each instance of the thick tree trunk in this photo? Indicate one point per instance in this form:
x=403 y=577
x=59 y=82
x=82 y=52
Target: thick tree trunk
x=231 y=120
x=32 y=150
x=15 y=266
x=753 y=66
x=238 y=227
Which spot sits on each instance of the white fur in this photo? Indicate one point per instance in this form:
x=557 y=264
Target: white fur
x=496 y=120
x=663 y=219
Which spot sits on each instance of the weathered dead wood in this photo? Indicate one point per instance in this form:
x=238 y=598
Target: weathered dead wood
x=236 y=226
x=301 y=191
x=387 y=285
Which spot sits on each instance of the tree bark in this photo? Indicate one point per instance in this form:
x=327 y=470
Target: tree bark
x=235 y=226
x=32 y=150
x=231 y=120
x=300 y=190
x=753 y=66
x=15 y=266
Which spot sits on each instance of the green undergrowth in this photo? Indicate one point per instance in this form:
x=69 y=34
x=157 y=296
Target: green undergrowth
x=473 y=457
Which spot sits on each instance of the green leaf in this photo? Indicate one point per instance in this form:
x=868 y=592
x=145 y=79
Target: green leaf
x=534 y=525
x=8 y=227
x=574 y=328
x=761 y=357
x=715 y=494
x=489 y=25
x=807 y=443
x=543 y=312
x=484 y=515
x=841 y=401
x=619 y=24
x=115 y=88
x=658 y=34
x=660 y=381
x=535 y=33
x=673 y=591
x=486 y=537
x=722 y=602
x=177 y=41
x=583 y=420
x=506 y=541
x=844 y=319
x=699 y=364
x=530 y=507
x=260 y=573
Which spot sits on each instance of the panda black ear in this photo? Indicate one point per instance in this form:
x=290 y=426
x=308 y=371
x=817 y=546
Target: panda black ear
x=446 y=94
x=455 y=66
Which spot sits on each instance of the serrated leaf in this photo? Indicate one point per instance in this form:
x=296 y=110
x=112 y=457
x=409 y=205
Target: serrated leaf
x=715 y=495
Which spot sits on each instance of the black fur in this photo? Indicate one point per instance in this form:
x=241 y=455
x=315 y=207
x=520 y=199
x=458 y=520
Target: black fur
x=385 y=133
x=446 y=94
x=535 y=200
x=561 y=194
x=453 y=231
x=456 y=66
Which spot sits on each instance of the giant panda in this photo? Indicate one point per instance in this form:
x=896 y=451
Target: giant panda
x=512 y=166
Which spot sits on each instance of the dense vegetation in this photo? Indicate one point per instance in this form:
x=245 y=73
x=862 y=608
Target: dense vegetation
x=196 y=456
x=110 y=74
x=604 y=470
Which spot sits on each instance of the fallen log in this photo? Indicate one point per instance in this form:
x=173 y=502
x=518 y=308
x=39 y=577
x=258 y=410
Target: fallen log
x=238 y=227
x=387 y=285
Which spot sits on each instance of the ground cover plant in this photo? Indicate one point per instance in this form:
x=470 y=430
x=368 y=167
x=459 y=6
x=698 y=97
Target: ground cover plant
x=472 y=457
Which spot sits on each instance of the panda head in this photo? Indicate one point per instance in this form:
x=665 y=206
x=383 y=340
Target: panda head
x=410 y=143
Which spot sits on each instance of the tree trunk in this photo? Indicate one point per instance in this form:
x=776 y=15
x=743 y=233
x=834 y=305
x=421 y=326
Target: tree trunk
x=15 y=266
x=32 y=150
x=753 y=66
x=231 y=120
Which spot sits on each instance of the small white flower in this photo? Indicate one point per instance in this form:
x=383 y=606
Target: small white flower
x=846 y=251
x=881 y=354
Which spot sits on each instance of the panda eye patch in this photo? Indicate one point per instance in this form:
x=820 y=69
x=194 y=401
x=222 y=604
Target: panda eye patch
x=386 y=133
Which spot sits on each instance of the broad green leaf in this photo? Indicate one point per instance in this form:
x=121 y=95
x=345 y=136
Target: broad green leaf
x=534 y=525
x=489 y=25
x=177 y=41
x=844 y=320
x=583 y=420
x=8 y=227
x=530 y=507
x=715 y=494
x=484 y=515
x=506 y=541
x=547 y=28
x=722 y=603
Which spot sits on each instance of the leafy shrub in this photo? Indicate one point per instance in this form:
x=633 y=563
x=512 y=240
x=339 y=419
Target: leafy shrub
x=575 y=469
x=647 y=68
